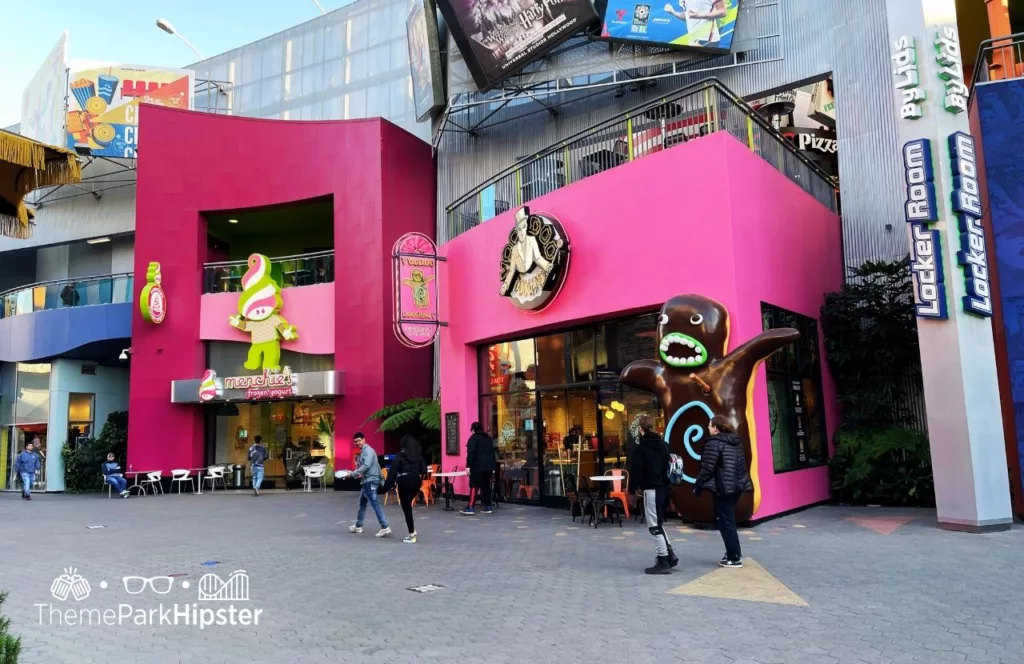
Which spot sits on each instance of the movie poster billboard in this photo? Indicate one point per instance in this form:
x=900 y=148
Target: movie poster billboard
x=497 y=38
x=42 y=103
x=103 y=105
x=424 y=59
x=695 y=24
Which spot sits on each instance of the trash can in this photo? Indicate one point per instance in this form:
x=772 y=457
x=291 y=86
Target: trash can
x=238 y=475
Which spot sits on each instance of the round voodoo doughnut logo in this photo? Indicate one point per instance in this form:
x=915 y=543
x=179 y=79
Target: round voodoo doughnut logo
x=534 y=261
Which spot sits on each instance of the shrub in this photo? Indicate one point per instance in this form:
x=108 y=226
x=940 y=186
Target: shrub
x=82 y=463
x=888 y=466
x=10 y=646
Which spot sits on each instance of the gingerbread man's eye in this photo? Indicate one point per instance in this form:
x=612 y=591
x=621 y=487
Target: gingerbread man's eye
x=663 y=319
x=696 y=319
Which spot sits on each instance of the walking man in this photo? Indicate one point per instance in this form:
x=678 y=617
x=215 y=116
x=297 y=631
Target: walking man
x=368 y=470
x=26 y=466
x=481 y=462
x=648 y=472
x=112 y=475
x=257 y=455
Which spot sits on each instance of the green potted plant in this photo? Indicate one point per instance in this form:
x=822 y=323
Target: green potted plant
x=325 y=435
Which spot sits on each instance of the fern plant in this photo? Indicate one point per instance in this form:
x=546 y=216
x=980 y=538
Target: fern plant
x=426 y=413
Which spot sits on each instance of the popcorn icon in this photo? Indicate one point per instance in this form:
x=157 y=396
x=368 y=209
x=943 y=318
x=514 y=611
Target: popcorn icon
x=70 y=583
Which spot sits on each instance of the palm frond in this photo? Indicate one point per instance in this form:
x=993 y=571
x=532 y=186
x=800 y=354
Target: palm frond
x=430 y=416
x=398 y=420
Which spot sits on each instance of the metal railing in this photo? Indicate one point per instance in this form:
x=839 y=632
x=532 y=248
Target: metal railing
x=65 y=293
x=691 y=112
x=287 y=271
x=999 y=59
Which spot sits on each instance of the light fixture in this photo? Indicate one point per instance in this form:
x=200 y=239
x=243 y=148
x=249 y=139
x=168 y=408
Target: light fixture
x=124 y=354
x=98 y=240
x=609 y=415
x=166 y=26
x=232 y=221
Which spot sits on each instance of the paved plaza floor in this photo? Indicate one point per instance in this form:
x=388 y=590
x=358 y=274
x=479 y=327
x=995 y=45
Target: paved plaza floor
x=525 y=584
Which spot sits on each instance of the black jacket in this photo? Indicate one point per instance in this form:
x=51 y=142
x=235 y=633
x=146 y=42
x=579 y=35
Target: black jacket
x=400 y=466
x=723 y=466
x=481 y=455
x=648 y=467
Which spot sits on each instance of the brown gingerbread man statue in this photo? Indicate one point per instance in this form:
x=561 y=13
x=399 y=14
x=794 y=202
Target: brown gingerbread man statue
x=694 y=379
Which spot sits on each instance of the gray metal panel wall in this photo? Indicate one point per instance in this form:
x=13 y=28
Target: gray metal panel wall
x=798 y=40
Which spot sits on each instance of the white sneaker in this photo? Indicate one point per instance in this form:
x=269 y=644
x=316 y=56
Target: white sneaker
x=384 y=532
x=355 y=529
x=124 y=494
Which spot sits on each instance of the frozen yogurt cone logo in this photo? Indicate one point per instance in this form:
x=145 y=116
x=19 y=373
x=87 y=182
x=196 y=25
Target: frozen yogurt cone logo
x=259 y=314
x=208 y=387
x=153 y=301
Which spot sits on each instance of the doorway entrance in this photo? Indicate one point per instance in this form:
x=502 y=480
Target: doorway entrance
x=12 y=442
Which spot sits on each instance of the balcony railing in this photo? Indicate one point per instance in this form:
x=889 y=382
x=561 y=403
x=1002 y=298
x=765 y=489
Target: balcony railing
x=691 y=112
x=65 y=293
x=999 y=59
x=287 y=271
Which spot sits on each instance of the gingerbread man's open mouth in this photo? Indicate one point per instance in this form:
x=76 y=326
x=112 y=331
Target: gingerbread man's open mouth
x=681 y=350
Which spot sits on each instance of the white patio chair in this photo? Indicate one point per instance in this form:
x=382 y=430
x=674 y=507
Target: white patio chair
x=315 y=471
x=108 y=485
x=152 y=482
x=180 y=476
x=214 y=473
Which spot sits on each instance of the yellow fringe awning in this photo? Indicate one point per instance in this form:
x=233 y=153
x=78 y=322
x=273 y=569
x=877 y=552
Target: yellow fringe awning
x=27 y=165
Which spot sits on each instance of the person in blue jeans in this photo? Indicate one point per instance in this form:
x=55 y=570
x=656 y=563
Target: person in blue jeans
x=368 y=470
x=26 y=466
x=112 y=475
x=257 y=455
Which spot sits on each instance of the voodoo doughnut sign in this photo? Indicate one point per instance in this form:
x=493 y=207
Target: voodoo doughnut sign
x=414 y=259
x=695 y=379
x=534 y=261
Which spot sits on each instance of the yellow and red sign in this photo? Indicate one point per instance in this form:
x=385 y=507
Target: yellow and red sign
x=103 y=105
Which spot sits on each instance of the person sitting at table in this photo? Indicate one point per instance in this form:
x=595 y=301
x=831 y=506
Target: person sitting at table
x=112 y=475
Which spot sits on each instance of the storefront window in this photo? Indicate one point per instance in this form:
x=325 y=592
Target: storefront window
x=795 y=404
x=295 y=433
x=33 y=394
x=511 y=420
x=80 y=417
x=509 y=367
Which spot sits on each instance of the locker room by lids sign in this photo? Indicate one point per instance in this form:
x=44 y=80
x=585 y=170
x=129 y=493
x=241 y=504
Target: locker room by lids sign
x=414 y=259
x=972 y=257
x=920 y=210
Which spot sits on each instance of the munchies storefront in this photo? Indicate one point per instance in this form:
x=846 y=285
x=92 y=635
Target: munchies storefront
x=569 y=319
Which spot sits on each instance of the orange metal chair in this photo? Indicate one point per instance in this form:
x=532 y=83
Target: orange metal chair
x=427 y=488
x=394 y=489
x=619 y=488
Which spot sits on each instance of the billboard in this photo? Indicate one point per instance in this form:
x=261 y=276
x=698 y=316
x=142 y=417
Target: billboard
x=42 y=103
x=497 y=38
x=103 y=105
x=702 y=24
x=424 y=59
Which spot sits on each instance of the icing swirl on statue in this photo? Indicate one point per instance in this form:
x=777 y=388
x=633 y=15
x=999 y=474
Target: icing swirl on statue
x=695 y=378
x=259 y=308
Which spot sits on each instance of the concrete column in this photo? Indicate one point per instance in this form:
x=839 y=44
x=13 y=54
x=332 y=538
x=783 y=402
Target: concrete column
x=950 y=268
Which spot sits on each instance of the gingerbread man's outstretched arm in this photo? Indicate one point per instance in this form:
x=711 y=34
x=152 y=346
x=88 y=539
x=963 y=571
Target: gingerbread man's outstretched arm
x=645 y=375
x=760 y=347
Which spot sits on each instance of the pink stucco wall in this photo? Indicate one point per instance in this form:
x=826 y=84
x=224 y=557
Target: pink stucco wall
x=706 y=217
x=309 y=308
x=198 y=162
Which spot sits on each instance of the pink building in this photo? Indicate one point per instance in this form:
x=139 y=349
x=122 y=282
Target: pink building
x=707 y=218
x=325 y=202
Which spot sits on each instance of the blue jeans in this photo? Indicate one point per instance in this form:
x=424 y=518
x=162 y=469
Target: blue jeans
x=26 y=483
x=257 y=477
x=118 y=482
x=369 y=494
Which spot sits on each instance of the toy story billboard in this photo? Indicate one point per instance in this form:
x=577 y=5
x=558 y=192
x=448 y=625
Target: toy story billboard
x=103 y=105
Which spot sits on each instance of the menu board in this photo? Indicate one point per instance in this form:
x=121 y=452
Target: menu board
x=451 y=434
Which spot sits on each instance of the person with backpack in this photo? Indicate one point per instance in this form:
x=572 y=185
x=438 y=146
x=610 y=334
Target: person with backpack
x=257 y=456
x=725 y=474
x=649 y=473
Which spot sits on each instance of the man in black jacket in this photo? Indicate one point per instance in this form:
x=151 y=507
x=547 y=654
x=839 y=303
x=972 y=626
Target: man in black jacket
x=648 y=472
x=724 y=473
x=481 y=462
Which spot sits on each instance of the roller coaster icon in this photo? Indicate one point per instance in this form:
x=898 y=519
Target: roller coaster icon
x=235 y=589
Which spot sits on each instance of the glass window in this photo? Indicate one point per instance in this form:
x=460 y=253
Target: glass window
x=511 y=420
x=551 y=359
x=80 y=417
x=795 y=404
x=33 y=394
x=625 y=341
x=509 y=367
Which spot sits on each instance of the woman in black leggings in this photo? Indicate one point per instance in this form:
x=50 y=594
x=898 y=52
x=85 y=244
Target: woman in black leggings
x=407 y=472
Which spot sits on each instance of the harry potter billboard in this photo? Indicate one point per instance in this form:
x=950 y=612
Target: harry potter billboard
x=497 y=38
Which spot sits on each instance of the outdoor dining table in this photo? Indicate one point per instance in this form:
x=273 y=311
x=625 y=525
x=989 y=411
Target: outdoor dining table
x=602 y=488
x=135 y=485
x=199 y=478
x=449 y=492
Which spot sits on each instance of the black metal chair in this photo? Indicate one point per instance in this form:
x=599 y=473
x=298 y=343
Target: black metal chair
x=572 y=494
x=596 y=506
